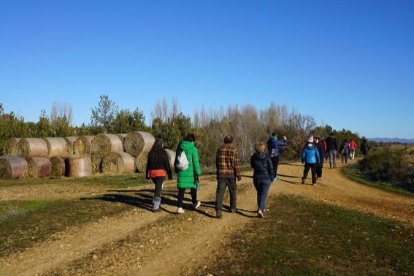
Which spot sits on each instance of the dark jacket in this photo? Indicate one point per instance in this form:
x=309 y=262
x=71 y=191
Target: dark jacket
x=274 y=145
x=321 y=150
x=344 y=148
x=262 y=164
x=331 y=143
x=159 y=164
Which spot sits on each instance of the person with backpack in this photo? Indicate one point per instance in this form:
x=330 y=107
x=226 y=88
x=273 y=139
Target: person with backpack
x=332 y=148
x=274 y=145
x=187 y=167
x=352 y=148
x=321 y=150
x=310 y=156
x=262 y=176
x=158 y=168
x=227 y=171
x=344 y=149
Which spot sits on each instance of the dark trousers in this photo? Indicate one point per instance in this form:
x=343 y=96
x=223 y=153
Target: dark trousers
x=181 y=192
x=222 y=183
x=158 y=185
x=312 y=167
x=275 y=162
x=319 y=170
x=262 y=185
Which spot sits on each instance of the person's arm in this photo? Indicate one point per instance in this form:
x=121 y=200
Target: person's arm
x=196 y=163
x=236 y=166
x=270 y=168
x=318 y=158
x=147 y=167
x=167 y=164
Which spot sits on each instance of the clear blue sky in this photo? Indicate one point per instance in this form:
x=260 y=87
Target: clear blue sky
x=348 y=63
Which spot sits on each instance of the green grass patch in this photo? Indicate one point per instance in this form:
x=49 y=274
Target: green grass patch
x=299 y=236
x=23 y=224
x=354 y=174
x=116 y=181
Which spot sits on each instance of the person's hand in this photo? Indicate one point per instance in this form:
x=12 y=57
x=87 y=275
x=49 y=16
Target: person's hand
x=238 y=177
x=284 y=137
x=196 y=178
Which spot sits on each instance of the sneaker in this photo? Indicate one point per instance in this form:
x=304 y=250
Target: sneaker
x=157 y=210
x=180 y=210
x=219 y=215
x=260 y=213
x=314 y=184
x=233 y=210
x=197 y=204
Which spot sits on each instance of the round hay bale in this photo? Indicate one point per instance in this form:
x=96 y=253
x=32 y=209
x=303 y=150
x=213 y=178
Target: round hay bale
x=103 y=144
x=13 y=167
x=137 y=142
x=10 y=147
x=70 y=140
x=171 y=157
x=32 y=147
x=39 y=166
x=96 y=161
x=57 y=146
x=118 y=163
x=141 y=162
x=82 y=145
x=79 y=166
x=58 y=166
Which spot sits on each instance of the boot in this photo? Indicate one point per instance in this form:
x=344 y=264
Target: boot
x=157 y=203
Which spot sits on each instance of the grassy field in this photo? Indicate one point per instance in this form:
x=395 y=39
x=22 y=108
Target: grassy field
x=299 y=236
x=354 y=174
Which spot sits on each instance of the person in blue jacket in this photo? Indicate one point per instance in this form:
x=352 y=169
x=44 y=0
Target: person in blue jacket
x=274 y=145
x=310 y=156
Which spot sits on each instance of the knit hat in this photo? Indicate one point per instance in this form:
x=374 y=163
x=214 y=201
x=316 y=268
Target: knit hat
x=274 y=135
x=310 y=140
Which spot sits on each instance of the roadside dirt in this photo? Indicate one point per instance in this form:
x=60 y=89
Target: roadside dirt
x=140 y=242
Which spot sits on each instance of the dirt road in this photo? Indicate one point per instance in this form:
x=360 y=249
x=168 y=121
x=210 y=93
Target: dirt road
x=140 y=242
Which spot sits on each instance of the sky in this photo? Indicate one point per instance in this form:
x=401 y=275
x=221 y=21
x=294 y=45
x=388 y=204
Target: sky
x=349 y=64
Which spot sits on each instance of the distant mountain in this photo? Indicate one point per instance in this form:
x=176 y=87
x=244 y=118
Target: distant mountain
x=392 y=140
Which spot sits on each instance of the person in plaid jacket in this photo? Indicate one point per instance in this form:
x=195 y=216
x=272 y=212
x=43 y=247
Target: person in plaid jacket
x=228 y=169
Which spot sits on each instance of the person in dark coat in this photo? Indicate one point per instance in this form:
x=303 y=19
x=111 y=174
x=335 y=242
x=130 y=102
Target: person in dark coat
x=332 y=148
x=321 y=150
x=364 y=146
x=344 y=149
x=274 y=145
x=262 y=176
x=158 y=168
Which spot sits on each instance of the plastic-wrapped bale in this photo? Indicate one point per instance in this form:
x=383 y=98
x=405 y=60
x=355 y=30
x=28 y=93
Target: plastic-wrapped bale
x=118 y=163
x=58 y=166
x=79 y=166
x=13 y=167
x=57 y=146
x=32 y=147
x=137 y=142
x=10 y=148
x=39 y=166
x=71 y=140
x=171 y=157
x=82 y=145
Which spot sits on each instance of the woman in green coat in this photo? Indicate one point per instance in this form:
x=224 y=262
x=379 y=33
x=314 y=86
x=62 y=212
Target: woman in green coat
x=188 y=178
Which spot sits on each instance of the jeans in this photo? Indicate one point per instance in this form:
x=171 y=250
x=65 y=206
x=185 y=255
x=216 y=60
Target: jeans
x=181 y=192
x=311 y=166
x=222 y=183
x=158 y=181
x=275 y=162
x=262 y=185
x=352 y=154
x=344 y=158
x=332 y=158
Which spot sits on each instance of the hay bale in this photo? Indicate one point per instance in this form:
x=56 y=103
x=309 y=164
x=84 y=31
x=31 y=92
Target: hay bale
x=71 y=140
x=10 y=147
x=58 y=166
x=39 y=166
x=32 y=147
x=171 y=157
x=79 y=166
x=13 y=167
x=137 y=142
x=57 y=146
x=103 y=144
x=96 y=161
x=118 y=163
x=82 y=145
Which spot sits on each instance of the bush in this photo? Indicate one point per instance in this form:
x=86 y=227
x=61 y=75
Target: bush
x=391 y=165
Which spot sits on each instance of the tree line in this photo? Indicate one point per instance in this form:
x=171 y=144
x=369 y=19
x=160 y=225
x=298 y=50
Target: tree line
x=246 y=124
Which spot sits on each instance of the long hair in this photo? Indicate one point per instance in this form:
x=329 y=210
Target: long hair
x=157 y=151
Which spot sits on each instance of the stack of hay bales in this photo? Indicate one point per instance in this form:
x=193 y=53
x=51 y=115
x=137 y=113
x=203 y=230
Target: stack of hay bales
x=109 y=154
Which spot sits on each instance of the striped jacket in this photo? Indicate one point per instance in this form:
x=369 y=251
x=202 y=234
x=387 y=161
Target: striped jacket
x=227 y=162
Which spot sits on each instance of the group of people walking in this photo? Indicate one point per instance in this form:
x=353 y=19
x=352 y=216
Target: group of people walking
x=264 y=164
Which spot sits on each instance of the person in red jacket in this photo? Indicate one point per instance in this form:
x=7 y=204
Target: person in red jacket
x=352 y=148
